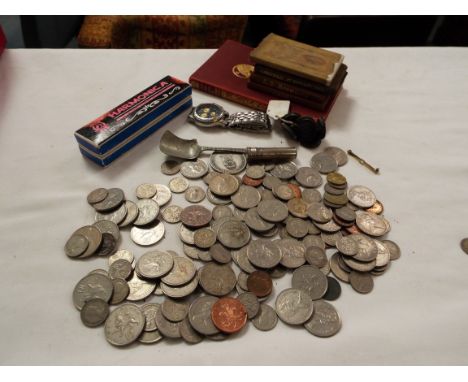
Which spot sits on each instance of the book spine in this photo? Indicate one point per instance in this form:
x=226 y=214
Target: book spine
x=230 y=96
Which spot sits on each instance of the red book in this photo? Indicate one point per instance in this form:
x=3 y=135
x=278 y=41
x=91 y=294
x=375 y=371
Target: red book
x=2 y=40
x=217 y=77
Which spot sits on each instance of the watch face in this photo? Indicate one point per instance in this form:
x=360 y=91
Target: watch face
x=208 y=112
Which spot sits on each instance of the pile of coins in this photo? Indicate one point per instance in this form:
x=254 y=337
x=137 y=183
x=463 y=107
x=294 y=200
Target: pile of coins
x=203 y=296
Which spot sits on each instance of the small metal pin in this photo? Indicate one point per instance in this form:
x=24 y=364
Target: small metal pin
x=375 y=170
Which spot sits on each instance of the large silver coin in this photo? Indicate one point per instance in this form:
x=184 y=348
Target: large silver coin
x=154 y=264
x=234 y=234
x=163 y=195
x=189 y=334
x=293 y=253
x=250 y=301
x=361 y=196
x=294 y=306
x=93 y=236
x=194 y=169
x=340 y=156
x=132 y=214
x=194 y=194
x=246 y=197
x=165 y=327
x=297 y=228
x=284 y=170
x=311 y=196
x=180 y=291
x=106 y=226
x=124 y=325
x=94 y=312
x=264 y=253
x=170 y=167
x=121 y=254
x=224 y=185
x=371 y=224
x=347 y=246
x=76 y=245
x=174 y=311
x=178 y=185
x=255 y=222
x=217 y=280
x=324 y=163
x=139 y=288
x=148 y=236
x=308 y=177
x=367 y=249
x=115 y=197
x=316 y=256
x=146 y=191
x=117 y=216
x=181 y=273
x=266 y=318
x=171 y=214
x=228 y=163
x=200 y=315
x=273 y=211
x=325 y=321
x=311 y=280
x=97 y=195
x=92 y=286
x=320 y=213
x=120 y=269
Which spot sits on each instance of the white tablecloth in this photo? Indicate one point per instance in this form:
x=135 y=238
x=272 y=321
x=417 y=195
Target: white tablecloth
x=405 y=110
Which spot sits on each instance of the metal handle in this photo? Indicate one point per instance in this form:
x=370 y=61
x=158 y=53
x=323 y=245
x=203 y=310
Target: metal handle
x=271 y=153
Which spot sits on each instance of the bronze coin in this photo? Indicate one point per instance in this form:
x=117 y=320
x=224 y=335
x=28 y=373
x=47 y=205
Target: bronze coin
x=195 y=216
x=295 y=189
x=248 y=181
x=377 y=208
x=229 y=315
x=259 y=283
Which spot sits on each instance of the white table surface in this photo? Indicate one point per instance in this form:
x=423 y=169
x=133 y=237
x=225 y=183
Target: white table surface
x=405 y=110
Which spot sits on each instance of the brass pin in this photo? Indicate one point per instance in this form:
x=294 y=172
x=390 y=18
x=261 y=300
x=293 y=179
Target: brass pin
x=375 y=170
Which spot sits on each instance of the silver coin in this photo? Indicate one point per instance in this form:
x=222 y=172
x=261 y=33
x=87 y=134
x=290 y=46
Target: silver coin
x=92 y=286
x=293 y=253
x=149 y=311
x=325 y=322
x=316 y=256
x=340 y=156
x=204 y=238
x=272 y=211
x=367 y=249
x=117 y=216
x=186 y=234
x=217 y=280
x=194 y=169
x=139 y=288
x=294 y=306
x=297 y=228
x=330 y=239
x=360 y=266
x=148 y=235
x=115 y=197
x=337 y=270
x=170 y=167
x=191 y=251
x=171 y=214
x=308 y=177
x=361 y=196
x=146 y=191
x=132 y=214
x=383 y=254
x=106 y=226
x=204 y=255
x=250 y=301
x=246 y=197
x=283 y=191
x=224 y=185
x=76 y=245
x=94 y=238
x=97 y=195
x=163 y=195
x=241 y=259
x=189 y=334
x=121 y=291
x=284 y=170
x=394 y=249
x=99 y=271
x=311 y=196
x=328 y=227
x=200 y=315
x=180 y=291
x=255 y=222
x=227 y=162
x=194 y=194
x=124 y=325
x=267 y=195
x=178 y=185
x=174 y=311
x=270 y=233
x=207 y=178
x=121 y=254
x=269 y=181
x=120 y=269
x=264 y=253
x=311 y=280
x=347 y=246
x=345 y=213
x=148 y=338
x=221 y=212
x=239 y=214
x=324 y=163
x=218 y=200
x=242 y=280
x=361 y=282
x=371 y=224
x=266 y=318
x=154 y=264
x=319 y=213
x=220 y=254
x=313 y=240
x=181 y=273
x=255 y=172
x=233 y=234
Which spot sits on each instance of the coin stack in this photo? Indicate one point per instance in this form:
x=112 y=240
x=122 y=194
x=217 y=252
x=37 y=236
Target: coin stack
x=203 y=295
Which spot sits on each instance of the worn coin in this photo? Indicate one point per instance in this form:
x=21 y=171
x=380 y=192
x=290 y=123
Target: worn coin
x=171 y=214
x=345 y=213
x=293 y=253
x=193 y=169
x=229 y=315
x=189 y=334
x=163 y=195
x=97 y=195
x=250 y=301
x=124 y=325
x=310 y=195
x=297 y=228
x=218 y=200
x=273 y=211
x=94 y=312
x=319 y=213
x=360 y=266
x=295 y=189
x=233 y=234
x=200 y=315
x=255 y=172
x=99 y=271
x=165 y=327
x=132 y=214
x=324 y=163
x=106 y=226
x=259 y=283
x=92 y=286
x=238 y=213
x=186 y=235
x=251 y=182
x=194 y=194
x=361 y=196
x=316 y=256
x=269 y=181
x=121 y=254
x=370 y=223
x=219 y=212
x=207 y=178
x=241 y=259
x=246 y=197
x=394 y=249
x=178 y=185
x=242 y=280
x=76 y=245
x=340 y=155
x=181 y=273
x=148 y=235
x=329 y=189
x=283 y=191
x=148 y=212
x=174 y=311
x=170 y=167
x=311 y=280
x=204 y=237
x=336 y=179
x=148 y=338
x=330 y=239
x=333 y=290
x=149 y=311
x=139 y=288
x=347 y=246
x=220 y=254
x=154 y=264
x=228 y=162
x=121 y=291
x=298 y=207
x=377 y=208
x=146 y=191
x=180 y=291
x=120 y=269
x=313 y=240
x=308 y=177
x=94 y=238
x=217 y=280
x=383 y=254
x=195 y=216
x=115 y=197
x=294 y=306
x=266 y=319
x=255 y=222
x=338 y=271
x=191 y=251
x=284 y=170
x=117 y=215
x=264 y=253
x=361 y=282
x=367 y=249
x=325 y=321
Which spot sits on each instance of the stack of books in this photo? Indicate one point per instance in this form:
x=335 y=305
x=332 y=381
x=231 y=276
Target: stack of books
x=301 y=73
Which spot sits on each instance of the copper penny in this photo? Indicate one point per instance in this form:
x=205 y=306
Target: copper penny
x=229 y=315
x=247 y=180
x=377 y=208
x=353 y=229
x=259 y=283
x=195 y=216
x=295 y=189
